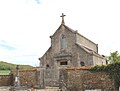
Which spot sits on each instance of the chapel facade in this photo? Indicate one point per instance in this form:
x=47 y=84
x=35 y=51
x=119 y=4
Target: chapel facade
x=68 y=49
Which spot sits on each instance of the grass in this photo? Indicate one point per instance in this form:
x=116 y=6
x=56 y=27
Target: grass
x=4 y=72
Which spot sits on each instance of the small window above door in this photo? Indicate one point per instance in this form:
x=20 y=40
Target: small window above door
x=64 y=63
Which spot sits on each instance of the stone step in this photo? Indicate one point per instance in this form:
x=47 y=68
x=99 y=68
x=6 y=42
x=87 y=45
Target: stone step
x=5 y=88
x=49 y=89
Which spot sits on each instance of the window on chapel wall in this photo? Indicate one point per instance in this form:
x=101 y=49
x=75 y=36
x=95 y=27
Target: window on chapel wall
x=64 y=63
x=82 y=64
x=63 y=42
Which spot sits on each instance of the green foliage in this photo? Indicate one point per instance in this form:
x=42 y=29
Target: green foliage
x=113 y=71
x=4 y=72
x=98 y=68
x=9 y=66
x=114 y=57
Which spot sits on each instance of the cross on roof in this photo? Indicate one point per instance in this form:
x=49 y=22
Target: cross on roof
x=63 y=18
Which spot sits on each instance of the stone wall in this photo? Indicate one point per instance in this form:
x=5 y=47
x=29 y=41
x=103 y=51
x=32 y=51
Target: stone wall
x=84 y=57
x=29 y=77
x=81 y=80
x=6 y=80
x=99 y=60
x=86 y=42
x=71 y=79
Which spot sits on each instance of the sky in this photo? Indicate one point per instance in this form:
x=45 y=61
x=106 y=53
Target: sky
x=26 y=26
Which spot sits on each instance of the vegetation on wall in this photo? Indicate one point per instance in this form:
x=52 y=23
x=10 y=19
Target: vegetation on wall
x=113 y=71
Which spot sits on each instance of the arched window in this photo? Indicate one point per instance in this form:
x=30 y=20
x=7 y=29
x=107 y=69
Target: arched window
x=82 y=63
x=47 y=66
x=63 y=42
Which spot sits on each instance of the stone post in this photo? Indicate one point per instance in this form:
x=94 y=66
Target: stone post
x=17 y=77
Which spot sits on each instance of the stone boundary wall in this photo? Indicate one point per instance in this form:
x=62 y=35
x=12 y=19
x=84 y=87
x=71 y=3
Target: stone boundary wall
x=6 y=80
x=29 y=77
x=81 y=80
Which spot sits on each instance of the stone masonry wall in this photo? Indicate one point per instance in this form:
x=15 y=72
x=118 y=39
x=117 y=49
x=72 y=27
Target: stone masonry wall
x=86 y=42
x=28 y=77
x=81 y=80
x=6 y=80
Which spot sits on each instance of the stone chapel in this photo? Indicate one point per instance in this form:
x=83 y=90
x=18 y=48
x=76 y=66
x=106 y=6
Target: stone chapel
x=68 y=49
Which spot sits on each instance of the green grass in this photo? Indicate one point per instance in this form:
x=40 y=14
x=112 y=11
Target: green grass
x=10 y=66
x=6 y=67
x=4 y=72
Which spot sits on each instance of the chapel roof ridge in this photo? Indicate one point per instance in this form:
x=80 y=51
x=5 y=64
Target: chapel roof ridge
x=74 y=31
x=70 y=29
x=90 y=51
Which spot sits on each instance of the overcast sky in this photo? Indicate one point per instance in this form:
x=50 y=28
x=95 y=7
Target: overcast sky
x=25 y=26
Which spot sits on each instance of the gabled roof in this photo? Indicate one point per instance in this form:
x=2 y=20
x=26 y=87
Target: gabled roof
x=90 y=51
x=75 y=31
x=70 y=29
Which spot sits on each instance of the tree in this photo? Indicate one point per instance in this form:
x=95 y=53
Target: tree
x=114 y=57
